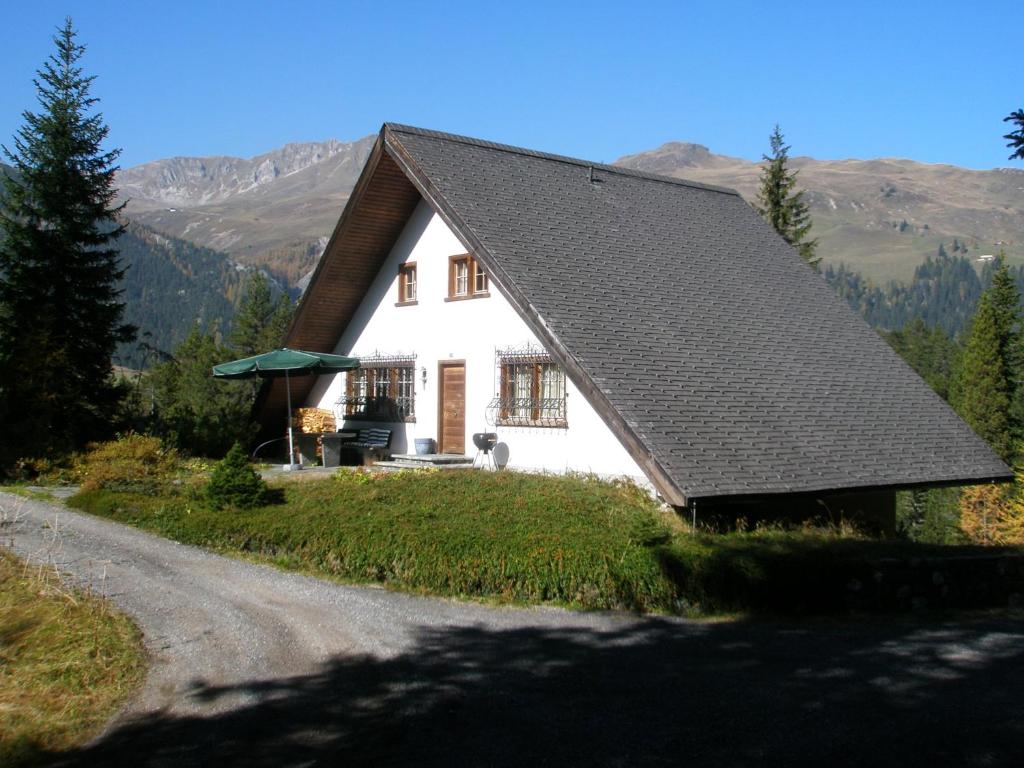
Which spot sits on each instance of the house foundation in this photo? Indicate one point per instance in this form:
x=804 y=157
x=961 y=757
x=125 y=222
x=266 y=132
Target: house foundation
x=873 y=512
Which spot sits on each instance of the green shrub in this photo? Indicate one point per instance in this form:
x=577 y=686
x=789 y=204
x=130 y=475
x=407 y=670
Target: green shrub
x=234 y=483
x=130 y=463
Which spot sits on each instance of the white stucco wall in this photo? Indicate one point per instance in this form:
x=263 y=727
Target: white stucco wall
x=435 y=330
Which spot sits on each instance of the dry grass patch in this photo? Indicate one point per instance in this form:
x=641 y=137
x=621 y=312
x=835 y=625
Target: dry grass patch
x=67 y=662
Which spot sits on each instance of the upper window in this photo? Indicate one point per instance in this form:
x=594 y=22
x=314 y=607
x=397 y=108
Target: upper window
x=381 y=389
x=532 y=391
x=407 y=283
x=466 y=278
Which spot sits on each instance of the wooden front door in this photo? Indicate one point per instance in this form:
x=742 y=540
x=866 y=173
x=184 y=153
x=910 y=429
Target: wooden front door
x=451 y=416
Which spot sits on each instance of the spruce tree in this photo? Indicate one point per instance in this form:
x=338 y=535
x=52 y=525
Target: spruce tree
x=930 y=351
x=234 y=483
x=1015 y=139
x=781 y=204
x=260 y=324
x=1006 y=304
x=60 y=307
x=194 y=411
x=984 y=388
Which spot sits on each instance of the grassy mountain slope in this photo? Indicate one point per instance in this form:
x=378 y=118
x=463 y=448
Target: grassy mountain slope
x=882 y=217
x=284 y=201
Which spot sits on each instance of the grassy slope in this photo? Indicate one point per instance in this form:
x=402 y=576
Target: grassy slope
x=66 y=663
x=521 y=538
x=507 y=535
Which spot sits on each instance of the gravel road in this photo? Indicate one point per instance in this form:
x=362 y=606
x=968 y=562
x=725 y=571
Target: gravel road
x=252 y=666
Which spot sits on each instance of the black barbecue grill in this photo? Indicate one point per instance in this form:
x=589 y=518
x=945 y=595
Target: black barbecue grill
x=485 y=442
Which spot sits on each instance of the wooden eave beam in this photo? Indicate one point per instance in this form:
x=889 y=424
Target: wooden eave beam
x=372 y=220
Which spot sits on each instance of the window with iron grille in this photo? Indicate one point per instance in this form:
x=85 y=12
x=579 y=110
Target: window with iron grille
x=381 y=390
x=532 y=391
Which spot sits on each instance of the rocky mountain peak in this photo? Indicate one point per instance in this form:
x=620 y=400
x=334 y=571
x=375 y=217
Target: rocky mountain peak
x=674 y=156
x=195 y=181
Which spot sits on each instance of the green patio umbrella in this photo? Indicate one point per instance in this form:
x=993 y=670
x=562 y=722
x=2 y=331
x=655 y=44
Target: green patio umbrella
x=286 y=363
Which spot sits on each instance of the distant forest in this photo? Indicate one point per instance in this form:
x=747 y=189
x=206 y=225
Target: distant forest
x=943 y=293
x=170 y=285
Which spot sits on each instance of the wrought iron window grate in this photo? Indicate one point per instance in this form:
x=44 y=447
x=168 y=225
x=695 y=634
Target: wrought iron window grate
x=531 y=389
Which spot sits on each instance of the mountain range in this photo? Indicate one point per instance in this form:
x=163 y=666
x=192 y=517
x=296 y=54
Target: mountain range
x=880 y=217
x=199 y=223
x=275 y=210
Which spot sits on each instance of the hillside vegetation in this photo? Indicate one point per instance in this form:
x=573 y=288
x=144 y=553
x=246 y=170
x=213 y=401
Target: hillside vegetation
x=169 y=286
x=943 y=292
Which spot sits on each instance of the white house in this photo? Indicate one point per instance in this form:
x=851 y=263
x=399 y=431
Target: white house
x=611 y=321
x=444 y=354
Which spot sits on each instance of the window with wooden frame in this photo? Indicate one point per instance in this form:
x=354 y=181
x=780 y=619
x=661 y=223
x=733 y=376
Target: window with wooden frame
x=406 y=284
x=532 y=391
x=466 y=279
x=381 y=389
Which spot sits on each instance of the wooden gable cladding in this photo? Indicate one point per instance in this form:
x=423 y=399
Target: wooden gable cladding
x=381 y=203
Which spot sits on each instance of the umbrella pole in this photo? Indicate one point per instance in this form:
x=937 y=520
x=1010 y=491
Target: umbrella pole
x=291 y=444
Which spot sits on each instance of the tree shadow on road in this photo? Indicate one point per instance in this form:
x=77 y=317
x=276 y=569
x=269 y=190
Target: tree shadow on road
x=649 y=692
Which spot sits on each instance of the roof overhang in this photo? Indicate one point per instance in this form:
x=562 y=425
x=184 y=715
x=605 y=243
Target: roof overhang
x=377 y=210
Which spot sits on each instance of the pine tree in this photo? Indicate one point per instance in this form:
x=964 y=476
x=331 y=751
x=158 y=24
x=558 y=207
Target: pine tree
x=781 y=205
x=251 y=317
x=931 y=352
x=1006 y=304
x=1015 y=139
x=234 y=483
x=60 y=307
x=260 y=324
x=194 y=411
x=983 y=391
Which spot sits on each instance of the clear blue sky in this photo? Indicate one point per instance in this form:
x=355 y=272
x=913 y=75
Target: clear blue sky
x=930 y=81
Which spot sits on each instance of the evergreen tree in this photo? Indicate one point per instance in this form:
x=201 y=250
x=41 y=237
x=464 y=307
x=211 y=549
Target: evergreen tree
x=60 y=307
x=280 y=321
x=983 y=392
x=931 y=352
x=194 y=411
x=1015 y=139
x=931 y=516
x=1006 y=304
x=781 y=204
x=234 y=483
x=260 y=324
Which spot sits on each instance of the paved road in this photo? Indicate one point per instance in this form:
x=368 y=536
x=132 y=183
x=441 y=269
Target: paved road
x=251 y=666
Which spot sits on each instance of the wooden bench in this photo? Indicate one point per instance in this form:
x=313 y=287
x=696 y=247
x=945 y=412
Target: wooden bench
x=373 y=444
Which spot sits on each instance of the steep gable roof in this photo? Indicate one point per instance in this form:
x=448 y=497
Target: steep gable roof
x=726 y=366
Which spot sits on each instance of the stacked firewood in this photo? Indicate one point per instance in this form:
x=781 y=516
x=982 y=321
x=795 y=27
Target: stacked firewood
x=309 y=420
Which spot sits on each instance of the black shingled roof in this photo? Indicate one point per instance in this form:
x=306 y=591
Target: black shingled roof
x=732 y=368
